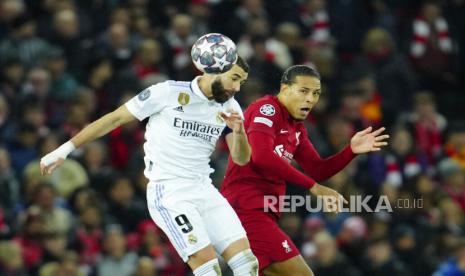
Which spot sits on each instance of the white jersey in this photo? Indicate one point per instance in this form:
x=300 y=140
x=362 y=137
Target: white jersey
x=182 y=130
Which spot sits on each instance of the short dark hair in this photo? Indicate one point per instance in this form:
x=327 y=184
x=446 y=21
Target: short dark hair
x=298 y=70
x=243 y=64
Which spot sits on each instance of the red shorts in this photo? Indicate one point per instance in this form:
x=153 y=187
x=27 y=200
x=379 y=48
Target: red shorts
x=268 y=242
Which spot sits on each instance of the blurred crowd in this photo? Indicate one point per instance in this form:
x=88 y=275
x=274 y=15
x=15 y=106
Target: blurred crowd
x=393 y=63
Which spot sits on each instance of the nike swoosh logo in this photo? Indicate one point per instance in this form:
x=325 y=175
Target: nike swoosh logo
x=283 y=131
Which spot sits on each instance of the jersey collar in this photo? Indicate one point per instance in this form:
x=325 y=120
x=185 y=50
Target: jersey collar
x=196 y=89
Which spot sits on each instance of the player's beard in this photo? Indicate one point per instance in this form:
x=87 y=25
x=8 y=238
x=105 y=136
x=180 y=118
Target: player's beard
x=219 y=93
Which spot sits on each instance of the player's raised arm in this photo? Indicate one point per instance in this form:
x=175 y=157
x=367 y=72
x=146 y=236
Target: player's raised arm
x=91 y=132
x=149 y=101
x=321 y=169
x=269 y=163
x=239 y=147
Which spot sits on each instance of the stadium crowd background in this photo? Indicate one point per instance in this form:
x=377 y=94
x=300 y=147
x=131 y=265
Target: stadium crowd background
x=394 y=63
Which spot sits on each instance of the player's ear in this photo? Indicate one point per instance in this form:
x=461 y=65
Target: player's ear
x=284 y=88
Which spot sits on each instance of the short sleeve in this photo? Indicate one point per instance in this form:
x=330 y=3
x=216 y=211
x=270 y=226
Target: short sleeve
x=148 y=102
x=264 y=118
x=234 y=105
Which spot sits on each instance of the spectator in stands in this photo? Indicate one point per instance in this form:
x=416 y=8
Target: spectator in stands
x=10 y=195
x=454 y=183
x=149 y=59
x=455 y=265
x=145 y=267
x=89 y=235
x=11 y=262
x=427 y=125
x=64 y=85
x=403 y=161
x=67 y=35
x=116 y=260
x=24 y=43
x=432 y=46
x=118 y=43
x=178 y=41
x=329 y=260
x=95 y=162
x=153 y=243
x=56 y=219
x=67 y=264
x=32 y=226
x=455 y=144
x=11 y=76
x=123 y=207
x=23 y=148
x=6 y=125
x=381 y=260
x=395 y=79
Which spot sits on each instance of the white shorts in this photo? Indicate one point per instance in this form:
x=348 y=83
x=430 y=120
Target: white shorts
x=193 y=214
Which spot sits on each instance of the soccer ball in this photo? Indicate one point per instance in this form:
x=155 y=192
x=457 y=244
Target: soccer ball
x=214 y=53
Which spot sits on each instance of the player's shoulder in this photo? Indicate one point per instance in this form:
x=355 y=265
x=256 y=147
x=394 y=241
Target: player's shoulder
x=178 y=85
x=267 y=106
x=264 y=111
x=179 y=91
x=232 y=103
x=163 y=85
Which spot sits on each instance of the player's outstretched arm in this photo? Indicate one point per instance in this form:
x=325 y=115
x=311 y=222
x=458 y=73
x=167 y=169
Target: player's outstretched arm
x=321 y=169
x=91 y=132
x=239 y=147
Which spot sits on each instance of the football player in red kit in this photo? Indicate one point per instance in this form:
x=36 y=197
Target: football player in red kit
x=277 y=135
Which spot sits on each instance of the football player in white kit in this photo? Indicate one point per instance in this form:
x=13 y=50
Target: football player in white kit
x=186 y=119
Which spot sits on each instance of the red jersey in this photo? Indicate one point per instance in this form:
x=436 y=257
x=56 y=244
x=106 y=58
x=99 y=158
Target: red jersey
x=276 y=139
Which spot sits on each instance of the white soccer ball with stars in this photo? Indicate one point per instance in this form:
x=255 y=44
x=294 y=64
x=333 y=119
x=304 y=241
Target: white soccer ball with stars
x=214 y=53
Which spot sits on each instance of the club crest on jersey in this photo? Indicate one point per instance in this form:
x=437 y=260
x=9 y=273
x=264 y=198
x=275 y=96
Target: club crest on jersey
x=192 y=239
x=183 y=98
x=144 y=95
x=286 y=246
x=267 y=110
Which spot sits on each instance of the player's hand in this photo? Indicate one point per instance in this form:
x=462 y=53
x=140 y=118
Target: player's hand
x=367 y=141
x=332 y=200
x=48 y=169
x=51 y=161
x=233 y=120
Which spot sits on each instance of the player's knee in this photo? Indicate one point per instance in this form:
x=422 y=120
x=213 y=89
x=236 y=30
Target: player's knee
x=210 y=268
x=244 y=263
x=201 y=257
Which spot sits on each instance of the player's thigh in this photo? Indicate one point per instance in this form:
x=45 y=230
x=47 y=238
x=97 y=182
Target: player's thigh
x=222 y=224
x=268 y=242
x=291 y=267
x=178 y=218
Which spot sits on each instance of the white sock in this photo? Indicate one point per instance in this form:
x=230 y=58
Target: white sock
x=210 y=268
x=244 y=264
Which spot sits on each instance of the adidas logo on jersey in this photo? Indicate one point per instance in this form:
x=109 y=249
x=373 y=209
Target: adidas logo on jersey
x=179 y=108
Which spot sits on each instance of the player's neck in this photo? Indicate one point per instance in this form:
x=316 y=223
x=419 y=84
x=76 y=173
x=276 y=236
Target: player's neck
x=205 y=86
x=282 y=99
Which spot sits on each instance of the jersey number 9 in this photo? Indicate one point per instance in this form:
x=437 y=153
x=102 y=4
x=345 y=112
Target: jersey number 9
x=184 y=223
